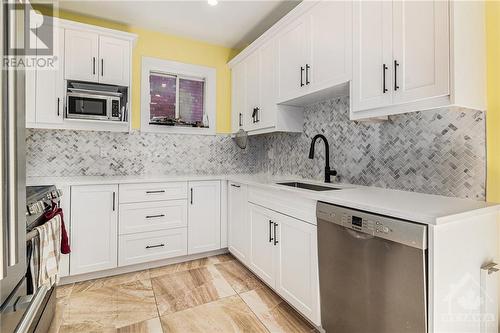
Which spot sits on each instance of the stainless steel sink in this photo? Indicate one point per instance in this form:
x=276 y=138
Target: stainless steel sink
x=312 y=187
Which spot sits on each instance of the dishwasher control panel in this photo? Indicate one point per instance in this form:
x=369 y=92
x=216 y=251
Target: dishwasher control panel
x=406 y=232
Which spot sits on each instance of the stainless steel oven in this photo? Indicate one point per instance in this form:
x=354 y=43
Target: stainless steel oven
x=93 y=105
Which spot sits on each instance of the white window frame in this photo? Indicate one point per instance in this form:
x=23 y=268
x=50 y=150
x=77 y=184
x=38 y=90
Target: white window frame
x=152 y=65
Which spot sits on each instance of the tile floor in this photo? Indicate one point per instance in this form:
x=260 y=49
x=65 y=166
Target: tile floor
x=214 y=294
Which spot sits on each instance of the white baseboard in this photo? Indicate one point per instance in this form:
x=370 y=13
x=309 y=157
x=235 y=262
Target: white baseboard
x=137 y=267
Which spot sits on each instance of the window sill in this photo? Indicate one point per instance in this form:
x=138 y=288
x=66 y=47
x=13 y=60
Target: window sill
x=177 y=130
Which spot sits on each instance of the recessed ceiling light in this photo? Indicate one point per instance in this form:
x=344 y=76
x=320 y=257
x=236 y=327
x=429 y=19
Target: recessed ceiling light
x=213 y=2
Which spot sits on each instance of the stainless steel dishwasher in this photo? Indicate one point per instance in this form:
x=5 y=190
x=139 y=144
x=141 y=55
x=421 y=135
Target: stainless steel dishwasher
x=372 y=272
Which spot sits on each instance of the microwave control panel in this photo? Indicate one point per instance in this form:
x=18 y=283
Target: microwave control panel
x=115 y=109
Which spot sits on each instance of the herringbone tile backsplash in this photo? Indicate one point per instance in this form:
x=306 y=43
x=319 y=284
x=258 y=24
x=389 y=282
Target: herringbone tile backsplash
x=438 y=152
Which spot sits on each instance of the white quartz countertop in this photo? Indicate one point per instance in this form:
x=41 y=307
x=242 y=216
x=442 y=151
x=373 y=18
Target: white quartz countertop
x=412 y=206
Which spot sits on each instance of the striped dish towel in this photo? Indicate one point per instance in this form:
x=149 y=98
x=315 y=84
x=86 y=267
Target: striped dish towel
x=47 y=252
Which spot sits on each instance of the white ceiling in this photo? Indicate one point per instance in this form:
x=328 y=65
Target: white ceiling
x=231 y=23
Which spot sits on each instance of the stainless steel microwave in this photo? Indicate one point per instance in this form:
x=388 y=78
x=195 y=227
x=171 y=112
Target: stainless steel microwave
x=84 y=104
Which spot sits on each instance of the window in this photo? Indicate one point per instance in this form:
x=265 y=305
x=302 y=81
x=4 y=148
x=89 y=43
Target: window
x=177 y=97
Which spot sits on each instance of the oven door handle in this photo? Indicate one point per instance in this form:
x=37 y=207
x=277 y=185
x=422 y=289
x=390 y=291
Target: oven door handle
x=32 y=310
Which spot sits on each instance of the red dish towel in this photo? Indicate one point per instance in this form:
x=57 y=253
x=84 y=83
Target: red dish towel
x=65 y=249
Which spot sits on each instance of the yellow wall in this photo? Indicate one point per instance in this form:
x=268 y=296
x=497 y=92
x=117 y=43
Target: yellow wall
x=493 y=113
x=164 y=46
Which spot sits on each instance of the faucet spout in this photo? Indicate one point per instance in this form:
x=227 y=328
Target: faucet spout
x=328 y=171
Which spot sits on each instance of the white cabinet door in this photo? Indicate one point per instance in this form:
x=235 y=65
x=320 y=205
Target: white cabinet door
x=252 y=64
x=297 y=278
x=81 y=56
x=262 y=246
x=239 y=228
x=49 y=90
x=238 y=96
x=204 y=216
x=292 y=59
x=372 y=50
x=267 y=73
x=114 y=61
x=330 y=39
x=421 y=50
x=94 y=228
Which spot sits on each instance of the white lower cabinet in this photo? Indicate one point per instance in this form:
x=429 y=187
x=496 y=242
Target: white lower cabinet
x=262 y=248
x=155 y=245
x=283 y=253
x=296 y=275
x=204 y=216
x=150 y=216
x=239 y=228
x=94 y=228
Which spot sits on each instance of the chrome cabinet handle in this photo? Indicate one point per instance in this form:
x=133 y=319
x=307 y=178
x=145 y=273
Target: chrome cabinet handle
x=396 y=65
x=157 y=191
x=307 y=74
x=275 y=236
x=155 y=216
x=384 y=68
x=270 y=231
x=153 y=246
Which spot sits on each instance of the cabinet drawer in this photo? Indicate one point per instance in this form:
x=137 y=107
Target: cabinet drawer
x=150 y=246
x=152 y=192
x=150 y=216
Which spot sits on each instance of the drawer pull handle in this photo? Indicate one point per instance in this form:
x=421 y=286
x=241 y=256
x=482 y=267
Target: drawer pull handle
x=157 y=191
x=154 y=216
x=234 y=185
x=153 y=246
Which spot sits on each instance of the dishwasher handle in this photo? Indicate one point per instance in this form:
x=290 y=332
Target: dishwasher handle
x=358 y=234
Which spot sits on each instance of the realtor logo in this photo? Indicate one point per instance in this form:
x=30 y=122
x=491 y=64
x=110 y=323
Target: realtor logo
x=34 y=31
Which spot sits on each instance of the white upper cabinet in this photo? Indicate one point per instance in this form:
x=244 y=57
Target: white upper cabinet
x=330 y=44
x=99 y=58
x=292 y=59
x=238 y=97
x=82 y=55
x=45 y=89
x=114 y=62
x=252 y=107
x=50 y=88
x=267 y=108
x=421 y=50
x=314 y=52
x=204 y=216
x=417 y=55
x=306 y=55
x=372 y=48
